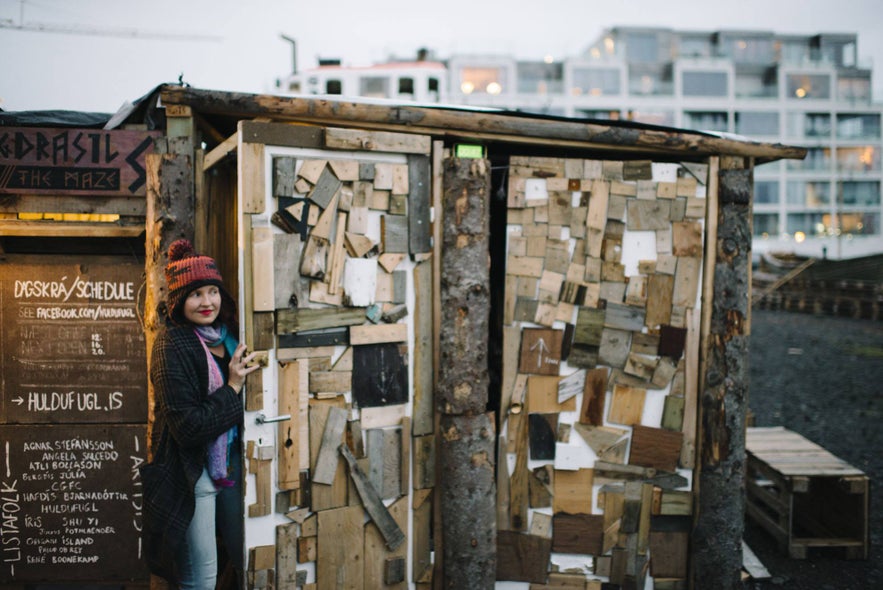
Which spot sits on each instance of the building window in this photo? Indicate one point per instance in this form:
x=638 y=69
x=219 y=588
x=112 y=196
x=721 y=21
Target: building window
x=858 y=126
x=595 y=82
x=432 y=85
x=406 y=86
x=704 y=83
x=862 y=193
x=599 y=114
x=766 y=224
x=861 y=223
x=812 y=224
x=333 y=87
x=858 y=159
x=816 y=159
x=766 y=192
x=817 y=125
x=662 y=118
x=757 y=123
x=478 y=80
x=650 y=81
x=374 y=87
x=706 y=120
x=808 y=194
x=540 y=78
x=642 y=47
x=808 y=86
x=757 y=84
x=699 y=46
x=857 y=89
x=749 y=51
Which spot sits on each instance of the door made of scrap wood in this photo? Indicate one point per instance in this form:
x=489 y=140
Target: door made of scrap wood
x=335 y=293
x=601 y=352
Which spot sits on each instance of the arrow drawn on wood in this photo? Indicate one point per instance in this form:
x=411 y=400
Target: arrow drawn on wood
x=541 y=344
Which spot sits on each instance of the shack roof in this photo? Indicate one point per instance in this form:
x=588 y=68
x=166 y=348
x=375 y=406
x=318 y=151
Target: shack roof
x=220 y=110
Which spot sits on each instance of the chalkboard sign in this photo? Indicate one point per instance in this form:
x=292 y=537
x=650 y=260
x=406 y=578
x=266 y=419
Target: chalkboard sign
x=70 y=498
x=71 y=343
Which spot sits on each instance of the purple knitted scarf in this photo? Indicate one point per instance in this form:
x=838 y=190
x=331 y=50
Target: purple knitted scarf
x=219 y=449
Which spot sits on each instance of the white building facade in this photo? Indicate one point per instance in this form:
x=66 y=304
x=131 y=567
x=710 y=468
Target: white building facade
x=808 y=90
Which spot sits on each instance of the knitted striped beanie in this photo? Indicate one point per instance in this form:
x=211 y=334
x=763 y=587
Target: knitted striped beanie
x=187 y=271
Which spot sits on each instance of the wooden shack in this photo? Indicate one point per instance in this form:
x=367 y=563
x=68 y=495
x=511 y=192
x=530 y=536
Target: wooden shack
x=498 y=350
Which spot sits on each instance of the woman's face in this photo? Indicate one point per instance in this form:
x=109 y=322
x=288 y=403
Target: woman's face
x=202 y=305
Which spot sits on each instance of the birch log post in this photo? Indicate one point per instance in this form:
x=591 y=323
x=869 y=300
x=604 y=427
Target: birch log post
x=467 y=433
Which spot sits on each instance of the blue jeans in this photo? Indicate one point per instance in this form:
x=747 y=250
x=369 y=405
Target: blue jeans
x=216 y=511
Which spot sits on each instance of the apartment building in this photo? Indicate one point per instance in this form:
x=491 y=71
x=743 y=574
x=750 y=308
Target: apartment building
x=808 y=90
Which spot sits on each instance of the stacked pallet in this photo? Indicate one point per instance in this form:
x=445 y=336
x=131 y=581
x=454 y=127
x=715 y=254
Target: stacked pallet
x=804 y=496
x=600 y=345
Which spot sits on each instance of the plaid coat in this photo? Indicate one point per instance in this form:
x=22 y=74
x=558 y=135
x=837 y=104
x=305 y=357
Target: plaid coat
x=188 y=418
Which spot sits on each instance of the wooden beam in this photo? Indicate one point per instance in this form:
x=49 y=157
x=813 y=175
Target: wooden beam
x=474 y=125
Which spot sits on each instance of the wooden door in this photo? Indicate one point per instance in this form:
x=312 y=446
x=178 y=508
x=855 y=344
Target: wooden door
x=335 y=292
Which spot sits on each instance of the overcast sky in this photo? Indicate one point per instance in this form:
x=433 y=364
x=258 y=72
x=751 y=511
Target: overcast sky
x=236 y=45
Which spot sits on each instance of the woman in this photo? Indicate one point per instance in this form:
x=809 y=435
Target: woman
x=193 y=486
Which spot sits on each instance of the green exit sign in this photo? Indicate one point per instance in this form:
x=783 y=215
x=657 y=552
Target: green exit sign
x=467 y=150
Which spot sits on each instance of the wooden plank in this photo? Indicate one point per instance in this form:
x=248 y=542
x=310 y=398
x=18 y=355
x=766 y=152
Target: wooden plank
x=686 y=282
x=324 y=497
x=644 y=215
x=378 y=141
x=292 y=388
x=374 y=334
x=423 y=412
x=261 y=468
x=331 y=381
x=655 y=447
x=594 y=393
x=540 y=351
x=286 y=555
x=577 y=533
x=615 y=347
x=572 y=491
x=522 y=558
x=292 y=321
x=385 y=568
x=542 y=393
x=394 y=233
x=263 y=283
x=288 y=286
x=421 y=535
x=340 y=560
x=626 y=405
x=519 y=493
x=326 y=462
x=374 y=506
x=253 y=177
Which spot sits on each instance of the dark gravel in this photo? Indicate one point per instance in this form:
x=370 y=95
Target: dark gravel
x=822 y=377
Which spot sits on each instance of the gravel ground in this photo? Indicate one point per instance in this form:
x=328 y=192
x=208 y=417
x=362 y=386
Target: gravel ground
x=822 y=377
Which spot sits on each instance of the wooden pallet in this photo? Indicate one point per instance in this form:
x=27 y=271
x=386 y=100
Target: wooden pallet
x=805 y=496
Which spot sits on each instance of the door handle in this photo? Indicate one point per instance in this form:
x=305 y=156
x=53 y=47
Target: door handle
x=262 y=419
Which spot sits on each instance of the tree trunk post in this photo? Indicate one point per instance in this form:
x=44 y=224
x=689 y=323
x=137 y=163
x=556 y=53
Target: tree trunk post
x=170 y=215
x=719 y=524
x=467 y=433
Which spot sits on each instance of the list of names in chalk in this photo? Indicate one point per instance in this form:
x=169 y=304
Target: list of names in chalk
x=71 y=344
x=71 y=502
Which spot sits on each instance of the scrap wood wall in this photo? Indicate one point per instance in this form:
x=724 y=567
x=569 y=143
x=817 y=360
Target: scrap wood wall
x=599 y=394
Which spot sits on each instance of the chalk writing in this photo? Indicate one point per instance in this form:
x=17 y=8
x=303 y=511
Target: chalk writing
x=71 y=344
x=70 y=503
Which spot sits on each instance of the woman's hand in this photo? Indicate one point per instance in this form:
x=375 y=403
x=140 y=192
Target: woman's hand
x=240 y=369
